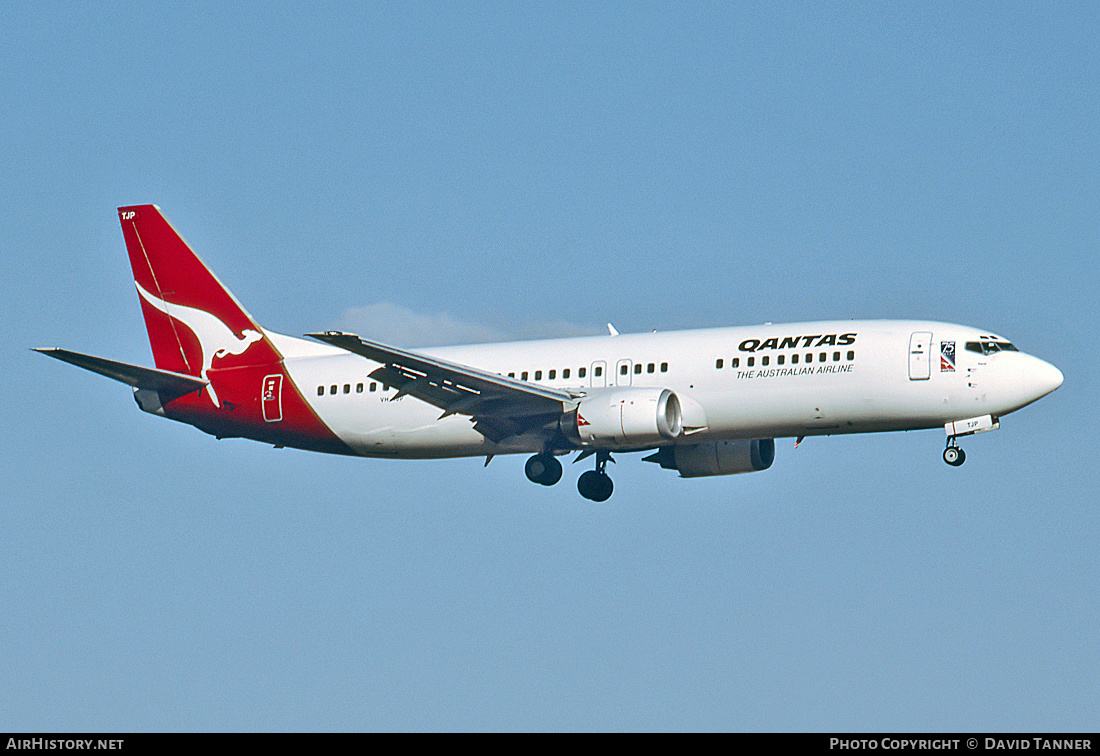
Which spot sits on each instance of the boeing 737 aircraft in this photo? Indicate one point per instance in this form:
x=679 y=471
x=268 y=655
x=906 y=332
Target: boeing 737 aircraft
x=704 y=402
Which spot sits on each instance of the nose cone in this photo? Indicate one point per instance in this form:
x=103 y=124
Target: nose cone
x=1043 y=377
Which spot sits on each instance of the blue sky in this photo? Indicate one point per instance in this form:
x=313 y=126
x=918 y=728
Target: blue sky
x=505 y=170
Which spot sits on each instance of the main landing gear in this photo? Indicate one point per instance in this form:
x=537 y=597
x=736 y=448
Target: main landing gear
x=543 y=469
x=596 y=484
x=953 y=455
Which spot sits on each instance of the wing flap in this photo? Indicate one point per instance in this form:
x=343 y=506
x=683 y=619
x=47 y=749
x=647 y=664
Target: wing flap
x=500 y=406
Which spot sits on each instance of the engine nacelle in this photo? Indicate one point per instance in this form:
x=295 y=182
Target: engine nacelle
x=716 y=458
x=624 y=418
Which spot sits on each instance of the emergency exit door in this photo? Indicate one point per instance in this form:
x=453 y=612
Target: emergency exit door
x=623 y=376
x=920 y=361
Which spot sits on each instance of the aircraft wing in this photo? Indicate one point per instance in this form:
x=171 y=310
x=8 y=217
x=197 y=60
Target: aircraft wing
x=164 y=381
x=500 y=406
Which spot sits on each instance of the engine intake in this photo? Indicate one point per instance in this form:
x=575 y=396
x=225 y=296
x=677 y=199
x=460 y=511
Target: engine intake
x=716 y=458
x=624 y=418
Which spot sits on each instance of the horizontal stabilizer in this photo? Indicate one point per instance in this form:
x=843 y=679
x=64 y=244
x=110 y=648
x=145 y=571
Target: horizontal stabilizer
x=163 y=381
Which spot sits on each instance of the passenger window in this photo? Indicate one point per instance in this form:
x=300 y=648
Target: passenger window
x=565 y=374
x=794 y=359
x=523 y=376
x=836 y=356
x=373 y=385
x=332 y=389
x=780 y=359
x=538 y=375
x=764 y=361
x=821 y=357
x=598 y=372
x=650 y=367
x=750 y=361
x=552 y=374
x=718 y=363
x=320 y=391
x=581 y=372
x=664 y=367
x=622 y=370
x=809 y=358
x=359 y=388
x=347 y=388
x=511 y=375
x=851 y=355
x=735 y=362
x=638 y=369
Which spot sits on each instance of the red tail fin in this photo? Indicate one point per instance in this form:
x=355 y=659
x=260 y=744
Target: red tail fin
x=191 y=317
x=197 y=327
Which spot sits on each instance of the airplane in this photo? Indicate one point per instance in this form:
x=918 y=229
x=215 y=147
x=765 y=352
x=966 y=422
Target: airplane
x=702 y=402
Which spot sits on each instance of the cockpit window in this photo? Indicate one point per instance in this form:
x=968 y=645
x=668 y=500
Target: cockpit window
x=989 y=347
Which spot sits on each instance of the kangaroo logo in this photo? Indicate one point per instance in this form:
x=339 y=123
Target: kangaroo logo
x=216 y=339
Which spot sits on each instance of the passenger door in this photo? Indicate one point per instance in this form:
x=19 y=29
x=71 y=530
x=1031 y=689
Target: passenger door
x=271 y=398
x=920 y=362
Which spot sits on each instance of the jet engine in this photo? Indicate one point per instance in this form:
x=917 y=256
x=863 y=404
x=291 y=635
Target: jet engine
x=716 y=458
x=624 y=418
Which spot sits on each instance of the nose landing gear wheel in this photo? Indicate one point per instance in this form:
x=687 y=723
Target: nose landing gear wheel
x=543 y=469
x=954 y=456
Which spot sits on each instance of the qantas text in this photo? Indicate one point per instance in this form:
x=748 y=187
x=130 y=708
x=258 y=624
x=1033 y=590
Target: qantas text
x=792 y=342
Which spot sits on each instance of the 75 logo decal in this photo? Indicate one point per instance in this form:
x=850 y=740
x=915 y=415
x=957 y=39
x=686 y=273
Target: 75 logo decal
x=947 y=356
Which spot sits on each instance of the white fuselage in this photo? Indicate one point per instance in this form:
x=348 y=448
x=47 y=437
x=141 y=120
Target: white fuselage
x=764 y=381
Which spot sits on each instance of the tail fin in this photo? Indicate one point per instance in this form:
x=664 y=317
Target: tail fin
x=192 y=319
